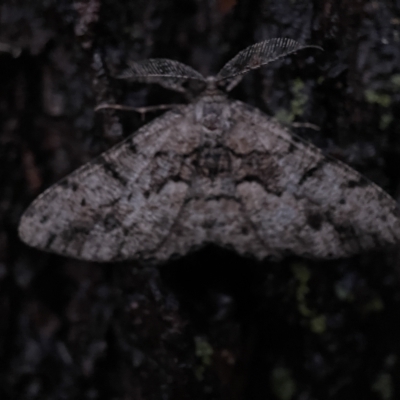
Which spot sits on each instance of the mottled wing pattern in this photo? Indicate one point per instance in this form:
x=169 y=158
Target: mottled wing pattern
x=301 y=202
x=122 y=204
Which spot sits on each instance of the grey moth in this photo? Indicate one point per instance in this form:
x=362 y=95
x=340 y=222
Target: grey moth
x=214 y=171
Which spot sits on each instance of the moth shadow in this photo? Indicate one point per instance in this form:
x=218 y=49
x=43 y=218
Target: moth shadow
x=215 y=285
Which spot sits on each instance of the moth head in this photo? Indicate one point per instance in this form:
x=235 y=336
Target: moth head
x=176 y=76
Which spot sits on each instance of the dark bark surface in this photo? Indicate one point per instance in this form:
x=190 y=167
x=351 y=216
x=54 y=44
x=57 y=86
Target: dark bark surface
x=211 y=325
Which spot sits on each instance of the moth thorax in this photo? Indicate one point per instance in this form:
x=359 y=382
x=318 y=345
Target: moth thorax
x=214 y=160
x=212 y=114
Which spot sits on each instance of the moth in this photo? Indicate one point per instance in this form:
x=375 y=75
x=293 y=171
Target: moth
x=214 y=171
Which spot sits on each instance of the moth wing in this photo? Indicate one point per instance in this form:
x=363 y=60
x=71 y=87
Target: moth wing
x=301 y=202
x=122 y=204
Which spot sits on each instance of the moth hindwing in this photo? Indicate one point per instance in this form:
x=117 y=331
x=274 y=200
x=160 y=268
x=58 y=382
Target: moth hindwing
x=213 y=171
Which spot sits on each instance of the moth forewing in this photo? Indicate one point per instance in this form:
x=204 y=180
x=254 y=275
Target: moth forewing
x=104 y=210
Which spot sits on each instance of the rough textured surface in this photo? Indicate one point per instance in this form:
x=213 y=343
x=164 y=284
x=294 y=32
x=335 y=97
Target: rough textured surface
x=297 y=329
